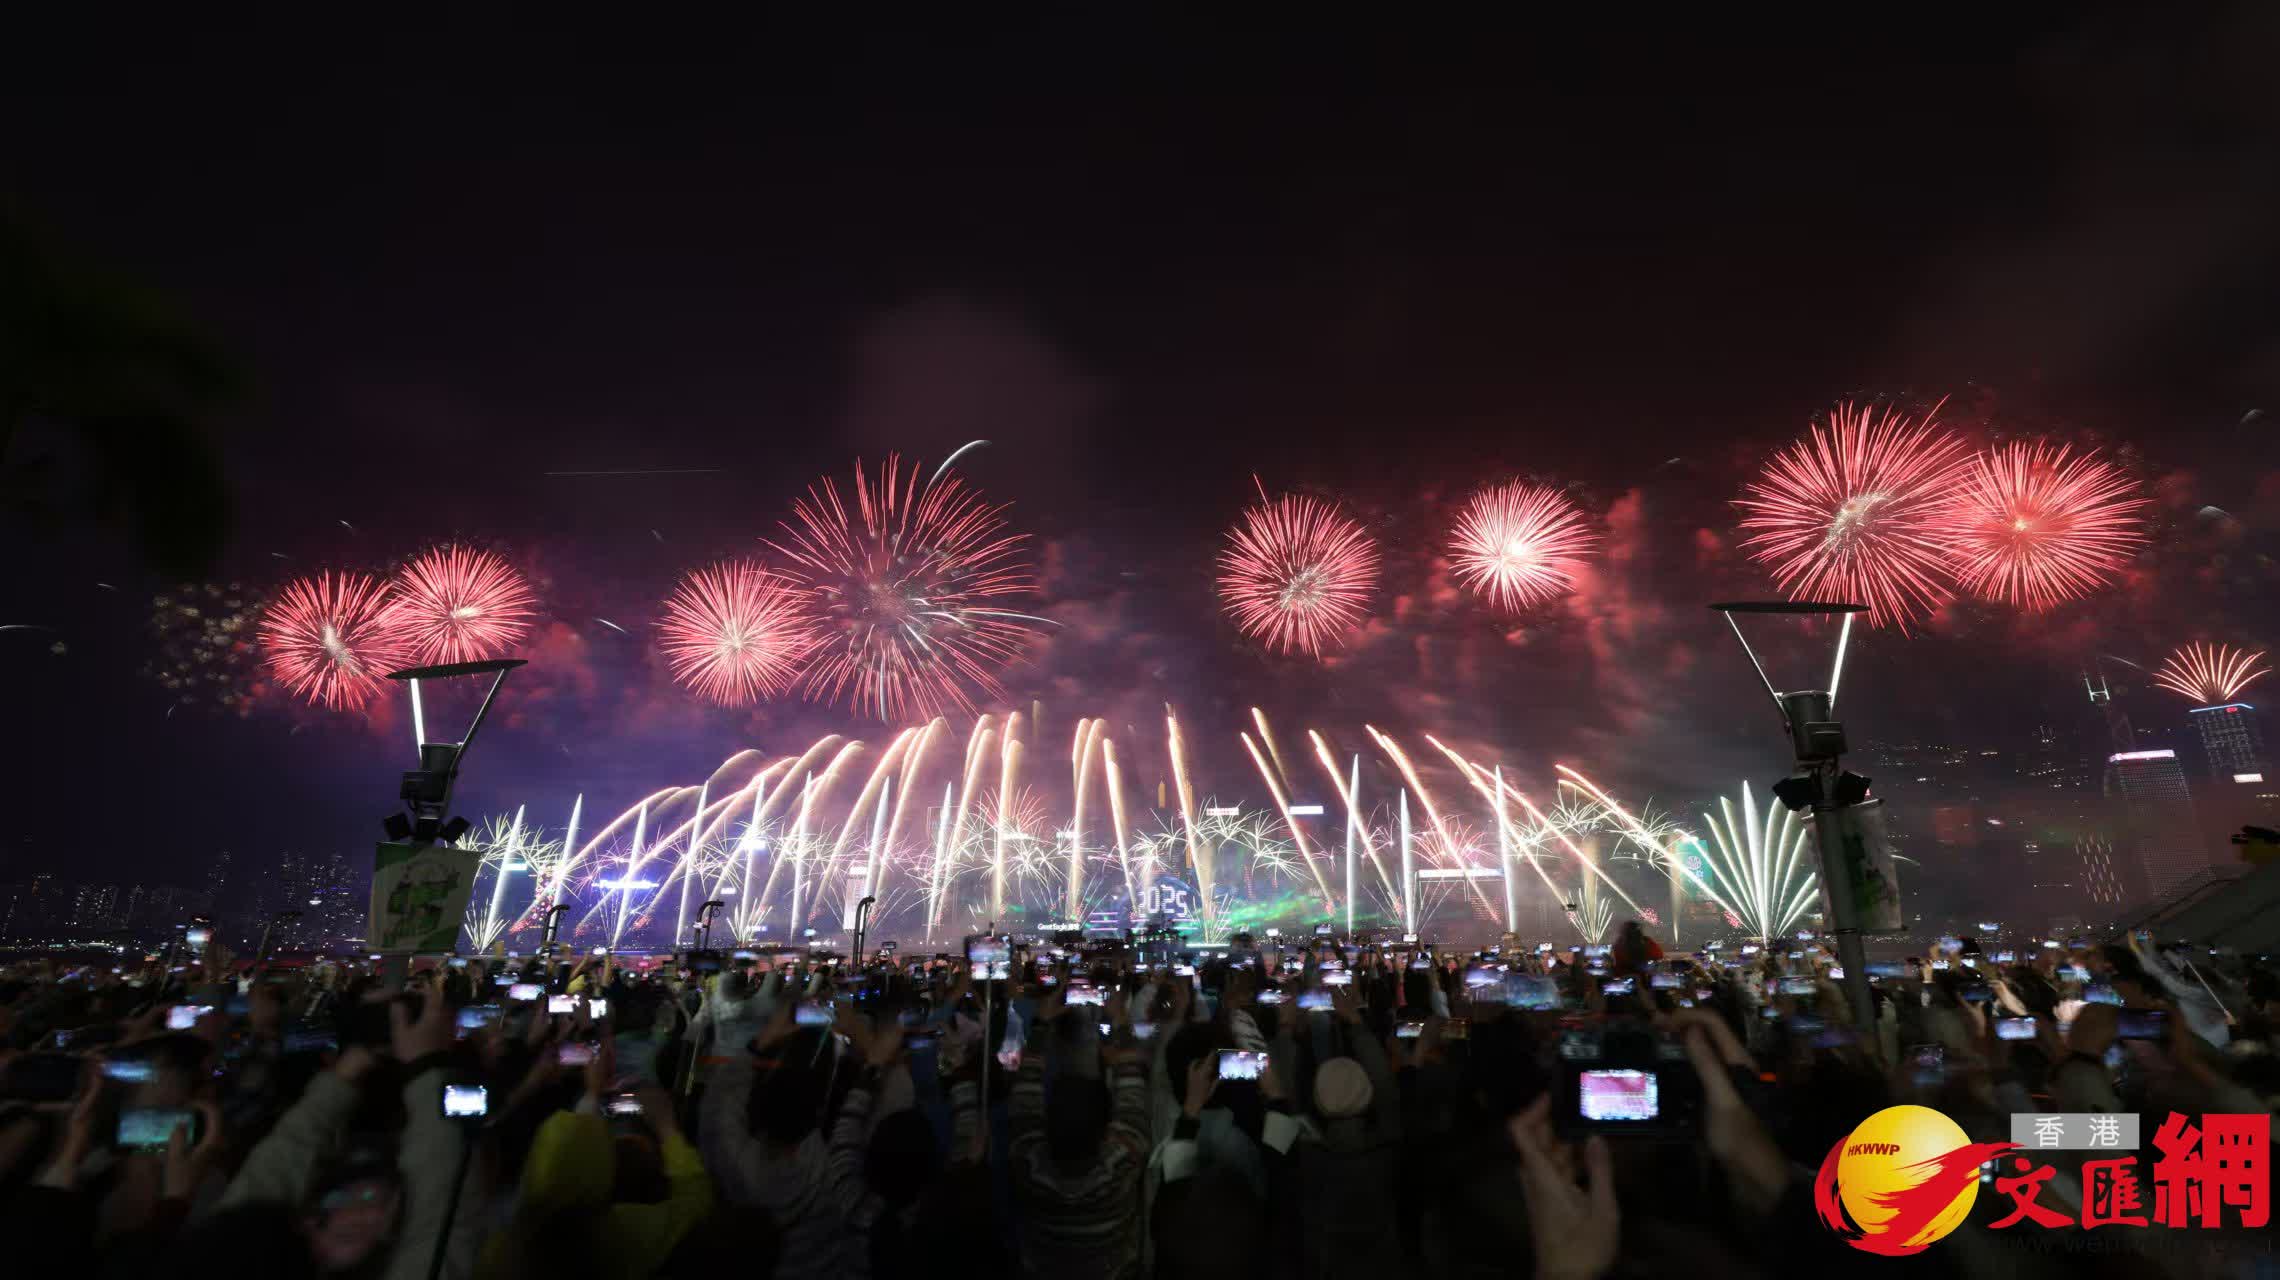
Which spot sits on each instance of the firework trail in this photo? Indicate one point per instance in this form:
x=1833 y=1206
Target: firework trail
x=1519 y=545
x=456 y=604
x=903 y=587
x=1175 y=747
x=331 y=640
x=1282 y=805
x=1400 y=759
x=1297 y=574
x=1009 y=769
x=1116 y=816
x=954 y=823
x=1080 y=761
x=1859 y=511
x=1760 y=864
x=734 y=633
x=2033 y=527
x=1349 y=792
x=2210 y=674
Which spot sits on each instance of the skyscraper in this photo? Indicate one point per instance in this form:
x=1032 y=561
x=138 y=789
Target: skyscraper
x=2161 y=844
x=2234 y=740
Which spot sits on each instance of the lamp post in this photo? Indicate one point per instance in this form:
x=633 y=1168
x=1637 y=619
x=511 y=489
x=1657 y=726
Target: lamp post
x=1820 y=783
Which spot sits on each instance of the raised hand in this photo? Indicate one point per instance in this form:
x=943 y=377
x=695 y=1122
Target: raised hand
x=1575 y=1229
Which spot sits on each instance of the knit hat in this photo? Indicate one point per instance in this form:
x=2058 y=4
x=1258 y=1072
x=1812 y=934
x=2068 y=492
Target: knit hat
x=1341 y=1089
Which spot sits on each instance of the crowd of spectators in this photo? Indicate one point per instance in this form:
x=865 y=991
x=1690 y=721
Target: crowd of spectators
x=1303 y=1107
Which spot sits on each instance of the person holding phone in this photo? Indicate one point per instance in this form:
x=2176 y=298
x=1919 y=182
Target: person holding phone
x=1076 y=1158
x=569 y=1204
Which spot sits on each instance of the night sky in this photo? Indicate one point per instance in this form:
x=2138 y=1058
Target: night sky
x=1147 y=262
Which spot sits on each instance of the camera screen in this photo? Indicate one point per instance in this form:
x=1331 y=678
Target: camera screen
x=2014 y=1028
x=2141 y=1024
x=128 y=1070
x=1241 y=1064
x=196 y=937
x=576 y=1053
x=525 y=991
x=812 y=1013
x=1618 y=1096
x=184 y=1017
x=1484 y=975
x=1094 y=995
x=464 y=1100
x=1665 y=982
x=623 y=1104
x=1409 y=1030
x=1531 y=992
x=1797 y=986
x=1337 y=978
x=562 y=1004
x=1620 y=986
x=993 y=951
x=147 y=1128
x=1313 y=1000
x=475 y=1017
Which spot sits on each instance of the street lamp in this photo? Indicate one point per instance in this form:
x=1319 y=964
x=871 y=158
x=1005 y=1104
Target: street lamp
x=1858 y=887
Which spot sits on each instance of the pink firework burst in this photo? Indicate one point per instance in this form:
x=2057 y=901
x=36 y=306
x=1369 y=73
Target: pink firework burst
x=905 y=589
x=1519 y=545
x=734 y=633
x=2033 y=526
x=1297 y=574
x=2210 y=673
x=1856 y=512
x=332 y=640
x=457 y=604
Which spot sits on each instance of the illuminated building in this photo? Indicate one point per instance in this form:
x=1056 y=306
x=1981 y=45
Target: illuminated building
x=2161 y=844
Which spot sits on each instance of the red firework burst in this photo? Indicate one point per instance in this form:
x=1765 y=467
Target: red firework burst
x=1296 y=574
x=2032 y=526
x=734 y=633
x=1519 y=545
x=1856 y=511
x=332 y=640
x=903 y=589
x=457 y=604
x=2210 y=673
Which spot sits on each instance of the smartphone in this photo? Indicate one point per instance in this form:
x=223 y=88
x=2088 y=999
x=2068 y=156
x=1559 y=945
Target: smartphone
x=466 y=1101
x=457 y=962
x=2014 y=1028
x=1410 y=938
x=1977 y=993
x=195 y=938
x=1143 y=1030
x=1749 y=948
x=1484 y=975
x=2142 y=1024
x=1264 y=997
x=1316 y=999
x=1337 y=978
x=1702 y=993
x=1089 y=994
x=1529 y=991
x=1619 y=986
x=2100 y=993
x=148 y=1128
x=1836 y=973
x=1939 y=964
x=1797 y=987
x=1618 y=1096
x=576 y=1053
x=1409 y=1030
x=988 y=950
x=2006 y=957
x=597 y=1008
x=129 y=1070
x=1883 y=969
x=1241 y=1064
x=1665 y=982
x=184 y=1017
x=525 y=991
x=561 y=1006
x=1183 y=970
x=1322 y=931
x=1543 y=948
x=812 y=1013
x=623 y=1104
x=475 y=1017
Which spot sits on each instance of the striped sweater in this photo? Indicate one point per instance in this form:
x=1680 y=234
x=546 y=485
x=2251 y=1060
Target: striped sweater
x=1082 y=1221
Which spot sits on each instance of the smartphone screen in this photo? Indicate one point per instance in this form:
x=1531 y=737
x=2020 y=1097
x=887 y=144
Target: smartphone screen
x=129 y=1070
x=196 y=937
x=988 y=951
x=597 y=1008
x=1531 y=992
x=576 y=1053
x=525 y=991
x=2142 y=1024
x=184 y=1017
x=1093 y=995
x=1666 y=981
x=812 y=1013
x=1241 y=1064
x=1264 y=997
x=563 y=1005
x=466 y=1101
x=1620 y=986
x=1618 y=1096
x=1337 y=978
x=1312 y=1000
x=622 y=1104
x=1409 y=1030
x=475 y=1017
x=147 y=1128
x=2014 y=1028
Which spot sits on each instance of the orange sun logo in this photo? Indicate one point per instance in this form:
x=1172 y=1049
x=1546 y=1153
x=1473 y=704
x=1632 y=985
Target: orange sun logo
x=1902 y=1180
